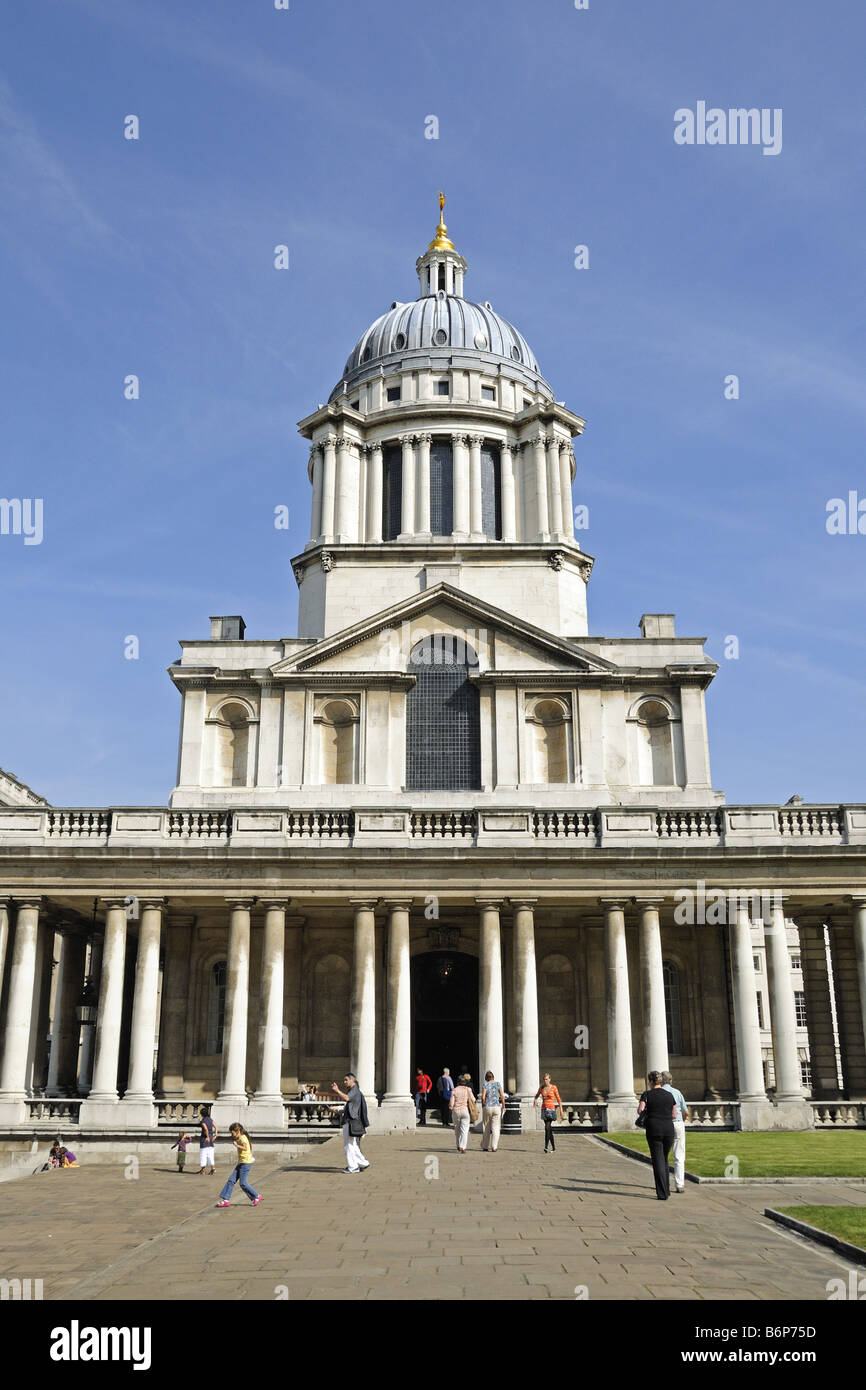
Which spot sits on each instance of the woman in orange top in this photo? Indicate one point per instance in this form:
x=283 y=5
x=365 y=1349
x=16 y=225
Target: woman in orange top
x=549 y=1101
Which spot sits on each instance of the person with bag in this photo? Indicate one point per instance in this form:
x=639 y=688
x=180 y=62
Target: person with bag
x=655 y=1115
x=356 y=1122
x=682 y=1114
x=241 y=1171
x=549 y=1100
x=492 y=1106
x=464 y=1110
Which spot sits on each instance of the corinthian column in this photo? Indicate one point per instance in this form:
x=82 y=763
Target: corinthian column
x=266 y=1107
x=329 y=486
x=554 y=486
x=509 y=501
x=460 y=472
x=789 y=1089
x=346 y=523
x=476 y=518
x=422 y=498
x=138 y=1100
x=490 y=1035
x=746 y=1028
x=565 y=487
x=538 y=445
x=525 y=1008
x=407 y=514
x=316 y=513
x=374 y=495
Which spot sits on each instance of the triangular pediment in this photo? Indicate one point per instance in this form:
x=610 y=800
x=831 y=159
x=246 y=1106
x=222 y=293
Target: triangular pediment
x=383 y=641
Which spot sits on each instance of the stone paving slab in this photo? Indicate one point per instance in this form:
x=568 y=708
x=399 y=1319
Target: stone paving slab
x=520 y=1225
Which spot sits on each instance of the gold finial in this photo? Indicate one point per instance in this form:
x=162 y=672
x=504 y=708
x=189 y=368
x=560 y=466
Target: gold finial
x=441 y=241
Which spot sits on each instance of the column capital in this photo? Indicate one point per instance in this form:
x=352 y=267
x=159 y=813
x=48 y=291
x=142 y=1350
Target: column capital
x=369 y=903
x=28 y=900
x=458 y=437
x=273 y=902
x=424 y=438
x=476 y=440
x=393 y=903
x=490 y=902
x=407 y=440
x=648 y=901
x=613 y=904
x=329 y=441
x=240 y=902
x=115 y=902
x=856 y=899
x=517 y=903
x=151 y=901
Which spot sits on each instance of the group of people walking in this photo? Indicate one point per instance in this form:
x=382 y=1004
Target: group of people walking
x=662 y=1112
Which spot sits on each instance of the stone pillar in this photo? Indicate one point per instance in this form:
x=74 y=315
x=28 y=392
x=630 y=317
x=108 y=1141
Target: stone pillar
x=859 y=931
x=755 y=1111
x=554 y=485
x=491 y=1052
x=526 y=1009
x=317 y=479
x=509 y=499
x=189 y=772
x=138 y=1102
x=849 y=1001
x=88 y=1030
x=346 y=506
x=65 y=1029
x=565 y=488
x=5 y=904
x=423 y=442
x=16 y=1040
x=820 y=1007
x=174 y=1009
x=374 y=495
x=231 y=1102
x=541 y=512
x=407 y=511
x=621 y=1099
x=269 y=740
x=40 y=1018
x=460 y=470
x=789 y=1090
x=398 y=1079
x=329 y=487
x=101 y=1107
x=362 y=1057
x=266 y=1108
x=652 y=987
x=476 y=523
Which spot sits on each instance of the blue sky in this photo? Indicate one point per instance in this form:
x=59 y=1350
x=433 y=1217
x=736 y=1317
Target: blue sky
x=306 y=127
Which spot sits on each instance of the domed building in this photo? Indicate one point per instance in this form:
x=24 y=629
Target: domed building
x=444 y=825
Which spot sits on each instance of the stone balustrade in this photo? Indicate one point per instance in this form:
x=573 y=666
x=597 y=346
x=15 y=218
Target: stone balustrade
x=55 y=1110
x=838 y=1114
x=601 y=827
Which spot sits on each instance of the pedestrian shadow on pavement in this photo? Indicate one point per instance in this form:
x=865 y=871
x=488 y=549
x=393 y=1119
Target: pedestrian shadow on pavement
x=608 y=1191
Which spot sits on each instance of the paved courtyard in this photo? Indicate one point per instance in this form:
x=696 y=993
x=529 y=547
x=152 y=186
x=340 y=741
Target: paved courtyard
x=420 y=1223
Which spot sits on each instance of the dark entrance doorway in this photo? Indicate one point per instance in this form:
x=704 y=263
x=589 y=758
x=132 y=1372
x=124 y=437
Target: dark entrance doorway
x=445 y=1015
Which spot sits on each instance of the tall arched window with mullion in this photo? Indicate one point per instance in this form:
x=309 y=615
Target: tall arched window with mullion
x=441 y=488
x=491 y=493
x=392 y=491
x=216 y=1008
x=673 y=1008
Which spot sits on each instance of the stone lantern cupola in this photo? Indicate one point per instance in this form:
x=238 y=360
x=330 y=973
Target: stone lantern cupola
x=441 y=267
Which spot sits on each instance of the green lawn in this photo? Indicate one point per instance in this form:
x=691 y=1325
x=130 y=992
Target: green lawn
x=810 y=1154
x=848 y=1223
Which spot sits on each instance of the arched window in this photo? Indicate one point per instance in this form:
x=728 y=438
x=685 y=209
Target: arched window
x=491 y=493
x=655 y=745
x=231 y=745
x=216 y=1007
x=329 y=1032
x=556 y=1012
x=673 y=1011
x=392 y=491
x=441 y=488
x=550 y=751
x=337 y=723
x=443 y=724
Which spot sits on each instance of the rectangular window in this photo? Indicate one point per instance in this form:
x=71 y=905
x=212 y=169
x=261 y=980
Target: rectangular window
x=392 y=490
x=442 y=388
x=760 y=1000
x=488 y=393
x=757 y=964
x=800 y=1008
x=796 y=962
x=806 y=1075
x=356 y=404
x=393 y=393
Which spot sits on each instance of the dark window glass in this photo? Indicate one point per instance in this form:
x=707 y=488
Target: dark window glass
x=800 y=1008
x=392 y=490
x=441 y=277
x=441 y=488
x=393 y=393
x=488 y=393
x=491 y=494
x=673 y=1011
x=443 y=726
x=442 y=388
x=216 y=1008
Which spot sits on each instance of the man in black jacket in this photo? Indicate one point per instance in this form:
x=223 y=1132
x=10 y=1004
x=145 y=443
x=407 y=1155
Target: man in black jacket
x=355 y=1122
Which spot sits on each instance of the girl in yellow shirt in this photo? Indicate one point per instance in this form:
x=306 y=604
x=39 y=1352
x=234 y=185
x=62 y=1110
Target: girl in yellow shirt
x=240 y=1172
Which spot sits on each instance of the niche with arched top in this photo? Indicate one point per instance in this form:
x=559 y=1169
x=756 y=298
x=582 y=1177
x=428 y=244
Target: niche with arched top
x=336 y=721
x=230 y=734
x=655 y=740
x=550 y=743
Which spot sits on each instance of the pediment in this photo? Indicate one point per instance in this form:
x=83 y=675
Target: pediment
x=383 y=642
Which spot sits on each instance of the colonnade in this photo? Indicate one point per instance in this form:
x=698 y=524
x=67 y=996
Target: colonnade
x=535 y=488
x=627 y=1056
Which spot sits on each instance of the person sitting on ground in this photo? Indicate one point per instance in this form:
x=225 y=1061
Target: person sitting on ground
x=68 y=1159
